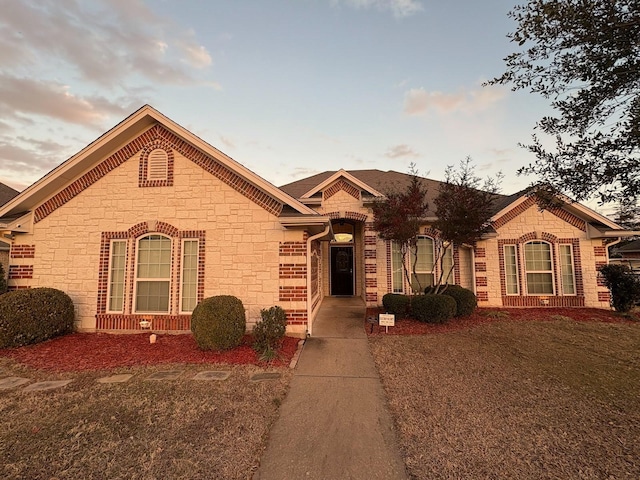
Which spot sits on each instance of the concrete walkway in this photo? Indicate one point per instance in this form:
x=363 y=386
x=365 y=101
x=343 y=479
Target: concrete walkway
x=334 y=423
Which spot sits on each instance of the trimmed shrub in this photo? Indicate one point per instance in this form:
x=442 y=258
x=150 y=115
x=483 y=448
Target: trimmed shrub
x=433 y=308
x=396 y=303
x=219 y=323
x=34 y=315
x=466 y=301
x=623 y=285
x=268 y=332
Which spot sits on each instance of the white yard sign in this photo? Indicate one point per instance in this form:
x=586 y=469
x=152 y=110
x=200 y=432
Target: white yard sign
x=387 y=320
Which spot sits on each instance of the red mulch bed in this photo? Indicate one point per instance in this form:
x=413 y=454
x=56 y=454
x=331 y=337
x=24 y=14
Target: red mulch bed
x=407 y=326
x=103 y=351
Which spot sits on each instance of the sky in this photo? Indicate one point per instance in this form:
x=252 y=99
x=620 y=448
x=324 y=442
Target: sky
x=288 y=88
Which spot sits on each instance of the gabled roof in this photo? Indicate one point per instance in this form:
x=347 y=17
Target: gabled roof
x=130 y=128
x=371 y=180
x=6 y=193
x=347 y=176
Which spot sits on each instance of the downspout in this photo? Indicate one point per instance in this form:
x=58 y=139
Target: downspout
x=473 y=271
x=327 y=229
x=606 y=248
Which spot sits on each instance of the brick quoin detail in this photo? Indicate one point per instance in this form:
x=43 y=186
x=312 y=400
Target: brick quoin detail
x=481 y=281
x=604 y=297
x=481 y=266
x=483 y=296
x=296 y=317
x=341 y=185
x=372 y=297
x=371 y=283
x=600 y=251
x=293 y=249
x=293 y=270
x=370 y=240
x=18 y=272
x=292 y=293
x=159 y=135
x=11 y=288
x=23 y=251
x=481 y=252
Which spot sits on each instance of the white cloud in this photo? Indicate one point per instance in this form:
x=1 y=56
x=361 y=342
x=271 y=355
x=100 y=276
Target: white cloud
x=197 y=56
x=26 y=96
x=399 y=8
x=106 y=42
x=399 y=151
x=419 y=101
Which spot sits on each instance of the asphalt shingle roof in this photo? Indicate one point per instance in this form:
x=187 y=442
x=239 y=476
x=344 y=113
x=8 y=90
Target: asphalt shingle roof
x=383 y=182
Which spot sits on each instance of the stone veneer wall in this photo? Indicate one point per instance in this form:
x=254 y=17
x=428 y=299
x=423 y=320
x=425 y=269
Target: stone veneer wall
x=557 y=227
x=240 y=224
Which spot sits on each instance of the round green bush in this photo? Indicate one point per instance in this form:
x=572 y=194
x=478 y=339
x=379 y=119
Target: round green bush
x=218 y=323
x=466 y=301
x=396 y=304
x=34 y=315
x=433 y=308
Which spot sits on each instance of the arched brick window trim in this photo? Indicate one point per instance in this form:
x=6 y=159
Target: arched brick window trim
x=523 y=300
x=128 y=320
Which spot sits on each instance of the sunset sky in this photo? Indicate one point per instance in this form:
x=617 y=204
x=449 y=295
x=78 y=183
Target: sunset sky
x=288 y=88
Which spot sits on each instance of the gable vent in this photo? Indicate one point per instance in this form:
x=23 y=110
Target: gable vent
x=157 y=166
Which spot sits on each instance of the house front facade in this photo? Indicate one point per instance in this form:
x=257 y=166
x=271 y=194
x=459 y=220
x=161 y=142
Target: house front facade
x=148 y=220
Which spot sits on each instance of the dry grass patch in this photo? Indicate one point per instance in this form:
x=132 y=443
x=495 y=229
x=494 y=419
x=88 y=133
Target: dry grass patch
x=140 y=429
x=552 y=399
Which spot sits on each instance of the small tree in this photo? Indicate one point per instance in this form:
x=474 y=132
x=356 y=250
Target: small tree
x=464 y=206
x=398 y=218
x=623 y=285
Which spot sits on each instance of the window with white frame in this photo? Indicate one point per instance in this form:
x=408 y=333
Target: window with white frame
x=117 y=268
x=538 y=268
x=397 y=282
x=567 y=270
x=511 y=269
x=447 y=266
x=423 y=258
x=153 y=274
x=189 y=276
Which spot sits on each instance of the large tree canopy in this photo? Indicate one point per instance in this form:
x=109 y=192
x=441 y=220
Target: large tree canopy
x=584 y=56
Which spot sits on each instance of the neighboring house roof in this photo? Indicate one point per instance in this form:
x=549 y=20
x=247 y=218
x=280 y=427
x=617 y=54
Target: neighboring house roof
x=130 y=128
x=631 y=247
x=6 y=193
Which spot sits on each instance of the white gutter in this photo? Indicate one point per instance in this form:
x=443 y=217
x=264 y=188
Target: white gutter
x=327 y=229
